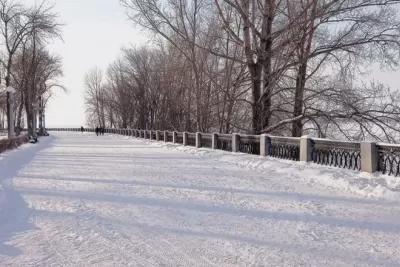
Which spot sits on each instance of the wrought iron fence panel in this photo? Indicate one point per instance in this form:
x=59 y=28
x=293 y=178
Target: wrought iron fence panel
x=170 y=137
x=191 y=139
x=161 y=136
x=179 y=138
x=285 y=148
x=249 y=144
x=345 y=155
x=224 y=142
x=389 y=159
x=206 y=140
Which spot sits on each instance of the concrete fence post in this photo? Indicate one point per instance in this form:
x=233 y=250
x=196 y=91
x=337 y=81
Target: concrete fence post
x=235 y=142
x=265 y=145
x=185 y=138
x=198 y=140
x=151 y=135
x=157 y=136
x=174 y=137
x=214 y=141
x=165 y=136
x=369 y=156
x=305 y=149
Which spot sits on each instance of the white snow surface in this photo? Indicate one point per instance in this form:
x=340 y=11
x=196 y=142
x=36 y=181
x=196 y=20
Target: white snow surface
x=81 y=200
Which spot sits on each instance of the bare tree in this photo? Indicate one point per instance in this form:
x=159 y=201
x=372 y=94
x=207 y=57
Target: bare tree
x=95 y=95
x=28 y=27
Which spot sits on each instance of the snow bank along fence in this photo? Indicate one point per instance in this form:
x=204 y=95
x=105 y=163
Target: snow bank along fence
x=363 y=156
x=8 y=144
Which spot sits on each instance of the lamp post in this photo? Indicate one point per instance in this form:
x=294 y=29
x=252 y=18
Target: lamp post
x=10 y=111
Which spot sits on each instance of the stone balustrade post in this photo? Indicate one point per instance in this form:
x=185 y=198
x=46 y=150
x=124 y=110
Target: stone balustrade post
x=306 y=149
x=369 y=156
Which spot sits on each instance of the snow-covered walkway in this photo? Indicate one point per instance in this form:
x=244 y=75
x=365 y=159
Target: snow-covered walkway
x=80 y=200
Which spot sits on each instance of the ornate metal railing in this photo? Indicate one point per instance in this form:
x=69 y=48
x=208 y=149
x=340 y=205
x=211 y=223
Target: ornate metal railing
x=388 y=159
x=179 y=138
x=249 y=144
x=340 y=154
x=285 y=148
x=169 y=137
x=224 y=142
x=206 y=140
x=191 y=139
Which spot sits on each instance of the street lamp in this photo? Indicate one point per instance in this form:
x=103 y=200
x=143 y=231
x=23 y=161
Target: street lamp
x=10 y=115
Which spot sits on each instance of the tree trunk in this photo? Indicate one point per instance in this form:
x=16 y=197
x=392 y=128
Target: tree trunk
x=297 y=125
x=255 y=71
x=20 y=109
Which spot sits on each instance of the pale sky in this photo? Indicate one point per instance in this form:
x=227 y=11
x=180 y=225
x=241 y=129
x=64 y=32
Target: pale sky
x=93 y=36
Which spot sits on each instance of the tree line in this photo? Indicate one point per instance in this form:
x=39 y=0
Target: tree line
x=254 y=66
x=26 y=64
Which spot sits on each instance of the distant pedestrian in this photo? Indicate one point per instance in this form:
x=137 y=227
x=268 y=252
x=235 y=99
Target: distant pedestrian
x=82 y=130
x=97 y=130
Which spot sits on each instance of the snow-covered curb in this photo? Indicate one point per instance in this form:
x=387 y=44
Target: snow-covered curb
x=355 y=182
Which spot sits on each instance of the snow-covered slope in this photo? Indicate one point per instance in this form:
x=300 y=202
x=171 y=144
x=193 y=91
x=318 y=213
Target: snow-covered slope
x=326 y=177
x=81 y=200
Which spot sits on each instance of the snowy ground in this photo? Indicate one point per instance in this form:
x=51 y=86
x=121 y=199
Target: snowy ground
x=81 y=200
